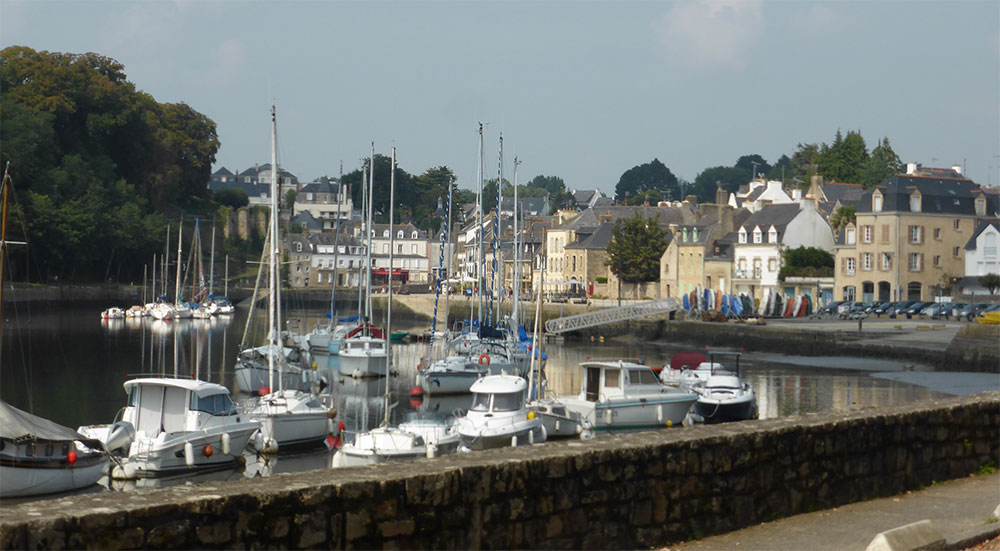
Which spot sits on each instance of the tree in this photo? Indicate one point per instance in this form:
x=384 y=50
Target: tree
x=842 y=161
x=842 y=217
x=653 y=175
x=635 y=249
x=807 y=262
x=881 y=165
x=710 y=179
x=990 y=282
x=235 y=198
x=754 y=164
x=805 y=164
x=290 y=196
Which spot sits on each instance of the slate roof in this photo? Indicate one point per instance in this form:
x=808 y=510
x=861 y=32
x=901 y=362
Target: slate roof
x=604 y=202
x=307 y=220
x=771 y=215
x=330 y=238
x=938 y=195
x=726 y=248
x=983 y=224
x=583 y=196
x=846 y=194
x=529 y=205
x=592 y=217
x=332 y=188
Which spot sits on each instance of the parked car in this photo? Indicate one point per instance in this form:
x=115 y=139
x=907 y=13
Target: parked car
x=854 y=310
x=978 y=309
x=830 y=308
x=963 y=312
x=937 y=310
x=899 y=307
x=882 y=308
x=844 y=307
x=915 y=308
x=952 y=312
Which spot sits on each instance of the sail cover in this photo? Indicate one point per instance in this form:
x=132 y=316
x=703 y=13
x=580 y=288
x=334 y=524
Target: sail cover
x=16 y=424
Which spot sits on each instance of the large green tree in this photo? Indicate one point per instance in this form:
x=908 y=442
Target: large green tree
x=96 y=163
x=635 y=249
x=653 y=175
x=881 y=165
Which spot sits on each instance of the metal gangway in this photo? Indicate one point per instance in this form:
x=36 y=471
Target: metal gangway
x=612 y=315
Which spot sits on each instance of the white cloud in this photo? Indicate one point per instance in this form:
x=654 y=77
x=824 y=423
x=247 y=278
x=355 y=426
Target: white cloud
x=710 y=34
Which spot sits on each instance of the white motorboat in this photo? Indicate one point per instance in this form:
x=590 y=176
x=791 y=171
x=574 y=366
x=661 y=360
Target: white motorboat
x=252 y=369
x=161 y=311
x=224 y=306
x=498 y=416
x=171 y=425
x=722 y=394
x=38 y=456
x=451 y=375
x=621 y=394
x=560 y=421
x=437 y=432
x=113 y=313
x=382 y=445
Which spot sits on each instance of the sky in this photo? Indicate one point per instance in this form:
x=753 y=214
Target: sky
x=581 y=90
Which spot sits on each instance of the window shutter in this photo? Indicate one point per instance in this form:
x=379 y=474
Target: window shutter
x=920 y=233
x=921 y=262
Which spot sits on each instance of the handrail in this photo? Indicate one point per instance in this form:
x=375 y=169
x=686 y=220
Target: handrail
x=612 y=315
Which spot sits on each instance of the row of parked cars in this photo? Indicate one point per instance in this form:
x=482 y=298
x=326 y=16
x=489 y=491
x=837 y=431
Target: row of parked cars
x=909 y=308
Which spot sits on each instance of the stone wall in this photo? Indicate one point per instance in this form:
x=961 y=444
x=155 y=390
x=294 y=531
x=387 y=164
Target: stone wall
x=642 y=489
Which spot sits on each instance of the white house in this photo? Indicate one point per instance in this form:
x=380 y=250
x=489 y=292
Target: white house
x=982 y=255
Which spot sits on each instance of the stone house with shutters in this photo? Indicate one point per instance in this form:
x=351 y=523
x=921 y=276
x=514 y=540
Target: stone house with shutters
x=908 y=237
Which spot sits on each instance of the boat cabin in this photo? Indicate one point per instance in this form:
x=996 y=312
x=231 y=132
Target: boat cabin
x=618 y=379
x=498 y=394
x=175 y=405
x=363 y=346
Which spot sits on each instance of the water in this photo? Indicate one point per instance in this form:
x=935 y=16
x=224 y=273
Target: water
x=67 y=365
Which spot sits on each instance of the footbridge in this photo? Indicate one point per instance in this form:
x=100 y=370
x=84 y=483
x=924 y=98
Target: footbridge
x=612 y=315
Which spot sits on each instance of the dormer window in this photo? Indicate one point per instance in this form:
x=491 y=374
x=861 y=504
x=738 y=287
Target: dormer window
x=413 y=235
x=694 y=234
x=298 y=247
x=980 y=206
x=385 y=233
x=915 y=202
x=850 y=237
x=743 y=235
x=684 y=234
x=756 y=235
x=877 y=201
x=399 y=234
x=772 y=235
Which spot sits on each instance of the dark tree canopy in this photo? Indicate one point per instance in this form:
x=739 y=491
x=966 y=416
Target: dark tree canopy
x=990 y=282
x=96 y=162
x=235 y=198
x=635 y=249
x=806 y=261
x=653 y=175
x=881 y=165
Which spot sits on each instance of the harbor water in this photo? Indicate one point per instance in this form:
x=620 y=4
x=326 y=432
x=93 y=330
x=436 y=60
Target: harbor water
x=67 y=365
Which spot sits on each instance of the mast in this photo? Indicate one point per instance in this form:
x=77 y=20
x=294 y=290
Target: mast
x=497 y=230
x=366 y=227
x=371 y=222
x=211 y=267
x=273 y=314
x=336 y=248
x=388 y=316
x=177 y=282
x=166 y=251
x=225 y=281
x=480 y=266
x=517 y=252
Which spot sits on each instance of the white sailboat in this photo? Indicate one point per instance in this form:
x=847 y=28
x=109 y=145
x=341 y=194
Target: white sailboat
x=387 y=443
x=364 y=351
x=287 y=416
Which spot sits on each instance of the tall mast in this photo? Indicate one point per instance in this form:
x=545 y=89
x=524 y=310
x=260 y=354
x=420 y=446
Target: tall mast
x=166 y=252
x=366 y=227
x=336 y=247
x=272 y=268
x=388 y=316
x=211 y=267
x=371 y=223
x=480 y=265
x=517 y=251
x=177 y=282
x=497 y=230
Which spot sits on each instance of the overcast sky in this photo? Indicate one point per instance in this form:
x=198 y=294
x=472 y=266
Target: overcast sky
x=580 y=90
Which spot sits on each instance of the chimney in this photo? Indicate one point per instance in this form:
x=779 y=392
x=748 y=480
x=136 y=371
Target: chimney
x=691 y=200
x=796 y=194
x=727 y=215
x=911 y=168
x=816 y=180
x=721 y=196
x=957 y=169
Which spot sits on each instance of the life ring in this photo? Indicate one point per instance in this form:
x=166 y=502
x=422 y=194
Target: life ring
x=484 y=359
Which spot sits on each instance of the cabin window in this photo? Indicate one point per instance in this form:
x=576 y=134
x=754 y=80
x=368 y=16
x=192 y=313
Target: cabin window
x=133 y=397
x=612 y=378
x=480 y=402
x=507 y=401
x=215 y=404
x=641 y=377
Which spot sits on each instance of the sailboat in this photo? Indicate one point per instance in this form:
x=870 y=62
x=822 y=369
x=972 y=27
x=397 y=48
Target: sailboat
x=387 y=443
x=38 y=456
x=287 y=416
x=364 y=351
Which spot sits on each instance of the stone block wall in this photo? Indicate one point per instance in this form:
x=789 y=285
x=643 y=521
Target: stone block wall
x=634 y=490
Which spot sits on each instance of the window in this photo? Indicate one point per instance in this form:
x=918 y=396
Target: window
x=385 y=248
x=954 y=252
x=937 y=261
x=886 y=261
x=980 y=206
x=989 y=245
x=956 y=224
x=684 y=235
x=694 y=234
x=849 y=265
x=915 y=202
x=612 y=378
x=399 y=249
x=642 y=377
x=399 y=234
x=866 y=261
x=385 y=233
x=413 y=235
x=756 y=235
x=309 y=197
x=772 y=264
x=885 y=233
x=756 y=268
x=850 y=238
x=877 y=201
x=849 y=292
x=915 y=234
x=298 y=247
x=743 y=235
x=916 y=262
x=413 y=249
x=937 y=234
x=866 y=233
x=772 y=236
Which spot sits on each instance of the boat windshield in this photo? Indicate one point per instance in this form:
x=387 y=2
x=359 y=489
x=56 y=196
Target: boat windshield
x=642 y=377
x=509 y=401
x=480 y=401
x=215 y=404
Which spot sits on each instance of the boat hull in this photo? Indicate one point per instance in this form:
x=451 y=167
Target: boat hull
x=720 y=411
x=363 y=365
x=487 y=439
x=25 y=476
x=633 y=413
x=447 y=382
x=165 y=455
